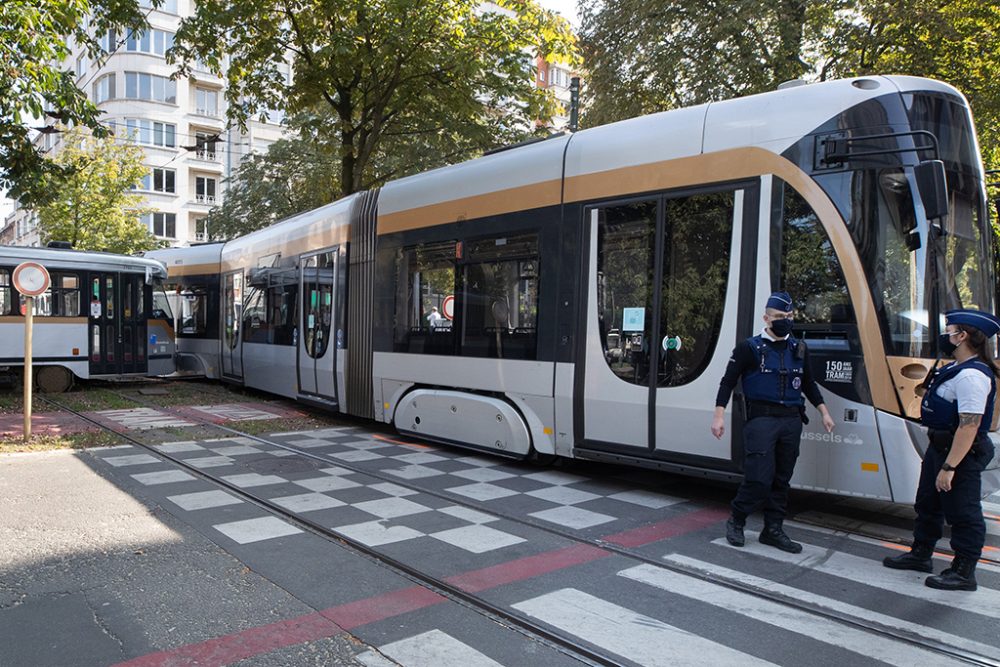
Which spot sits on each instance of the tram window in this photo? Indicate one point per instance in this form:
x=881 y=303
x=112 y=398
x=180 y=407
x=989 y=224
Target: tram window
x=281 y=309
x=161 y=306
x=255 y=329
x=625 y=263
x=192 y=310
x=317 y=314
x=810 y=270
x=62 y=299
x=499 y=302
x=5 y=293
x=696 y=250
x=425 y=279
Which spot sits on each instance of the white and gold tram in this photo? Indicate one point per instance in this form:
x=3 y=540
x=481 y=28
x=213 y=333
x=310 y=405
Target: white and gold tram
x=590 y=287
x=104 y=316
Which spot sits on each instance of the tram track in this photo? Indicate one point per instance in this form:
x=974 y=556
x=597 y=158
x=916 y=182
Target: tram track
x=507 y=617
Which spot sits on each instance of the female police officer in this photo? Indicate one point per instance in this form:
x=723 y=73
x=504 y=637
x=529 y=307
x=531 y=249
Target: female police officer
x=774 y=367
x=957 y=410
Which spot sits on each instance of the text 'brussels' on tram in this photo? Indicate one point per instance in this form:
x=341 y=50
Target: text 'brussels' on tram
x=589 y=287
x=104 y=316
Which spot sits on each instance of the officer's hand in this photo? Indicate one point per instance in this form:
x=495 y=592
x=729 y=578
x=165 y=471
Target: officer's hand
x=718 y=427
x=943 y=481
x=828 y=423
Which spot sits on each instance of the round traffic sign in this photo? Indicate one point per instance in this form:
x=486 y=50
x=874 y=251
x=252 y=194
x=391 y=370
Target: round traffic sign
x=448 y=307
x=30 y=278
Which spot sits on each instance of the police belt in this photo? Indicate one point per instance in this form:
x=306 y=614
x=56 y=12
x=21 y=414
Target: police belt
x=765 y=409
x=941 y=440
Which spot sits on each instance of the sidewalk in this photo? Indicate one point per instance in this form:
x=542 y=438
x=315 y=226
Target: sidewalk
x=91 y=576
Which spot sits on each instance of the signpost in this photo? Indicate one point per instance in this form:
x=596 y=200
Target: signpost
x=30 y=279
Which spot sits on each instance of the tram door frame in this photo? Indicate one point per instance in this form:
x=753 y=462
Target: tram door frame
x=317 y=375
x=639 y=418
x=231 y=339
x=116 y=323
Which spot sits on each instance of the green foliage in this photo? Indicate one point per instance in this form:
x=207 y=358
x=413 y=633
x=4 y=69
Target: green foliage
x=404 y=84
x=33 y=83
x=650 y=55
x=92 y=207
x=295 y=175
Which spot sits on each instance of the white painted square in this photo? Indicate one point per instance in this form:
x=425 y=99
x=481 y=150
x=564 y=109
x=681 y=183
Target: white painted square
x=165 y=477
x=374 y=533
x=483 y=474
x=391 y=489
x=555 y=477
x=335 y=470
x=256 y=530
x=178 y=447
x=563 y=495
x=364 y=444
x=203 y=500
x=131 y=460
x=646 y=499
x=235 y=412
x=326 y=483
x=356 y=455
x=250 y=479
x=390 y=508
x=572 y=517
x=281 y=453
x=480 y=460
x=237 y=450
x=209 y=461
x=477 y=539
x=420 y=457
x=289 y=434
x=307 y=502
x=312 y=443
x=433 y=649
x=482 y=491
x=468 y=514
x=304 y=442
x=414 y=472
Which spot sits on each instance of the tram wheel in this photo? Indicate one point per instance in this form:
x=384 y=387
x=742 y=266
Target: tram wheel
x=53 y=379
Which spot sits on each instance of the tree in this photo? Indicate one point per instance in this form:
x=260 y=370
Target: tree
x=400 y=80
x=33 y=46
x=651 y=55
x=93 y=207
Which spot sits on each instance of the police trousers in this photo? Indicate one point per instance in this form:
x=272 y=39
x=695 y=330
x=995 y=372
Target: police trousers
x=960 y=507
x=770 y=449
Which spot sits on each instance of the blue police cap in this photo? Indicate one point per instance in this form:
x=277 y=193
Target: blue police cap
x=780 y=301
x=985 y=322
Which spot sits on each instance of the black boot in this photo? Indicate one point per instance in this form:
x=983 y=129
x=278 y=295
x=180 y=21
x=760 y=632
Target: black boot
x=917 y=558
x=734 y=532
x=961 y=576
x=774 y=536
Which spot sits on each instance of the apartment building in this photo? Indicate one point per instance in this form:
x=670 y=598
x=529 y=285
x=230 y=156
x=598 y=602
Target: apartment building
x=180 y=126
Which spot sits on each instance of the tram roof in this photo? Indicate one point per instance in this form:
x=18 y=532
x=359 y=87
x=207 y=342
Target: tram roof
x=82 y=260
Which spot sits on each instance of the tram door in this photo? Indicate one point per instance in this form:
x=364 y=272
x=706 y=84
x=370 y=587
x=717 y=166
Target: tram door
x=116 y=320
x=232 y=317
x=316 y=355
x=663 y=284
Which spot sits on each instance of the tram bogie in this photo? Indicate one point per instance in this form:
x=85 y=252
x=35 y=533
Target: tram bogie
x=580 y=296
x=103 y=317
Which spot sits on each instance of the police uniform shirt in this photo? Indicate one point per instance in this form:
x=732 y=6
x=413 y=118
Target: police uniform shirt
x=970 y=388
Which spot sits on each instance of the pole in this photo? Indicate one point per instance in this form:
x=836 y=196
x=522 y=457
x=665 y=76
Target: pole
x=574 y=104
x=29 y=313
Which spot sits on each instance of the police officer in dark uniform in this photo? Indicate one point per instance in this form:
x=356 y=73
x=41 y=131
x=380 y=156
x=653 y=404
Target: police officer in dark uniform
x=774 y=367
x=957 y=410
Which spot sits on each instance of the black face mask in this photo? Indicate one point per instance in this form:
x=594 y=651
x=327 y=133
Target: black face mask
x=945 y=344
x=782 y=328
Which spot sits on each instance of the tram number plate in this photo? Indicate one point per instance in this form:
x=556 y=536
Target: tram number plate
x=839 y=371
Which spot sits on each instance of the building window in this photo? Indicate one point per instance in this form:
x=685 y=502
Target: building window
x=140 y=86
x=204 y=188
x=168 y=6
x=206 y=101
x=201 y=229
x=154 y=42
x=151 y=133
x=164 y=180
x=109 y=41
x=104 y=89
x=81 y=64
x=206 y=145
x=163 y=225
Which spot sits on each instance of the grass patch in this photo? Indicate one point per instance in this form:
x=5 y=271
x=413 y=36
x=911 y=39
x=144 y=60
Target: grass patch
x=12 y=402
x=283 y=424
x=42 y=443
x=92 y=399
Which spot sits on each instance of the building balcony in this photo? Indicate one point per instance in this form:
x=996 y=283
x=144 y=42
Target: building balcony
x=205 y=200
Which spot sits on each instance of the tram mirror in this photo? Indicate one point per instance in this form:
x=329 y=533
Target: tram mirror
x=933 y=188
x=500 y=312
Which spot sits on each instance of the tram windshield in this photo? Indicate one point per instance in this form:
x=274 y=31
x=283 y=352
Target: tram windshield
x=913 y=271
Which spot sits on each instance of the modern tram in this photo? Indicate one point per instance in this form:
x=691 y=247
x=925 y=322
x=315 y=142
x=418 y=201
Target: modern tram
x=104 y=316
x=580 y=296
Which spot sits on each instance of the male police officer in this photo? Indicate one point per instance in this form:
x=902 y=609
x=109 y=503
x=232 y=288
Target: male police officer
x=774 y=367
